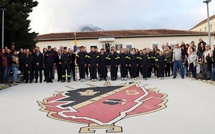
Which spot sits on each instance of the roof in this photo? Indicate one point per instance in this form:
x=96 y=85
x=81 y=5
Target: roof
x=118 y=34
x=203 y=22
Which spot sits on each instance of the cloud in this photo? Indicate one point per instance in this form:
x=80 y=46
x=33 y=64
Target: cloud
x=69 y=15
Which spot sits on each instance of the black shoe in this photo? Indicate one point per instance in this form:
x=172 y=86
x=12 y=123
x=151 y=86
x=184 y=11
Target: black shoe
x=100 y=79
x=182 y=77
x=36 y=81
x=105 y=79
x=40 y=81
x=174 y=77
x=51 y=81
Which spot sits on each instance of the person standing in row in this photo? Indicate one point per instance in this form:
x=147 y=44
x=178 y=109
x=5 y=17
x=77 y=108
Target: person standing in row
x=49 y=62
x=145 y=63
x=15 y=66
x=177 y=59
x=66 y=61
x=102 y=61
x=81 y=61
x=73 y=58
x=113 y=57
x=133 y=63
x=192 y=61
x=92 y=61
x=38 y=64
x=123 y=63
x=160 y=62
x=213 y=71
x=207 y=63
x=27 y=60
x=167 y=54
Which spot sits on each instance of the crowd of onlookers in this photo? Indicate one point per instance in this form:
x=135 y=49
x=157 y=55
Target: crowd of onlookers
x=38 y=66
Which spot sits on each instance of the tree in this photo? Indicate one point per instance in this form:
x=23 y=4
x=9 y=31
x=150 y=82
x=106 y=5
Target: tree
x=17 y=24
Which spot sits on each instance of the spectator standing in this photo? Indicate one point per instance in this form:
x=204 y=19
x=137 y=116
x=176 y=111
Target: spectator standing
x=28 y=67
x=38 y=64
x=207 y=63
x=15 y=66
x=177 y=59
x=192 y=61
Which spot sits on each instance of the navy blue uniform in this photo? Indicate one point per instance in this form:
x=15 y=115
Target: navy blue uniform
x=144 y=63
x=134 y=63
x=66 y=60
x=49 y=59
x=81 y=61
x=160 y=62
x=102 y=61
x=92 y=61
x=123 y=62
x=113 y=65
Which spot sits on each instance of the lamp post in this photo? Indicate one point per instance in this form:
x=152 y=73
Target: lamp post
x=2 y=9
x=209 y=27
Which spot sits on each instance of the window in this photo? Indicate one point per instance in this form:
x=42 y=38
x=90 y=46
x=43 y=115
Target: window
x=129 y=47
x=200 y=30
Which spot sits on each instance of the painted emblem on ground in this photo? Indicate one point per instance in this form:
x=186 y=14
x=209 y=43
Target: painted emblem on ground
x=103 y=107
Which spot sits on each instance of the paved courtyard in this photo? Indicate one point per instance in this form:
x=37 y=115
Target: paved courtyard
x=190 y=109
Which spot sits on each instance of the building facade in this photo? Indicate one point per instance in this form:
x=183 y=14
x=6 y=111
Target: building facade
x=122 y=39
x=203 y=25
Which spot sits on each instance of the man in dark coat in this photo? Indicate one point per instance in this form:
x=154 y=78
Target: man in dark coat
x=27 y=61
x=38 y=64
x=49 y=63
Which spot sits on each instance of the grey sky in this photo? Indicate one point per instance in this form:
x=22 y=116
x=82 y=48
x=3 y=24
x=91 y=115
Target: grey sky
x=69 y=15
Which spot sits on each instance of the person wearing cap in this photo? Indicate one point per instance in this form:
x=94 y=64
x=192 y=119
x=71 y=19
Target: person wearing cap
x=207 y=63
x=49 y=63
x=81 y=61
x=177 y=59
x=66 y=61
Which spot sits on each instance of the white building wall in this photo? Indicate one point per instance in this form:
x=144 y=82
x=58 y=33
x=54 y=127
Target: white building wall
x=139 y=43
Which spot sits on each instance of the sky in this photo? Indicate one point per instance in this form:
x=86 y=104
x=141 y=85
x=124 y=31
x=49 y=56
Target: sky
x=55 y=16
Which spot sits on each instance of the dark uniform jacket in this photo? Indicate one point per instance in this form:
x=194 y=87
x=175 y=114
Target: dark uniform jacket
x=28 y=60
x=81 y=58
x=38 y=59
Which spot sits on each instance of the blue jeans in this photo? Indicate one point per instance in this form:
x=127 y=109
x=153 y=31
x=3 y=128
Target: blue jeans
x=15 y=73
x=6 y=74
x=193 y=70
x=178 y=65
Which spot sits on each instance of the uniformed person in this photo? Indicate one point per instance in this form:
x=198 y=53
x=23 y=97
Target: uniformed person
x=49 y=62
x=160 y=62
x=102 y=61
x=123 y=63
x=92 y=61
x=133 y=63
x=81 y=61
x=144 y=63
x=66 y=61
x=113 y=57
x=27 y=60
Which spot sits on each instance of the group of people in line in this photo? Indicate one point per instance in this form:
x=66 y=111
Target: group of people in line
x=38 y=66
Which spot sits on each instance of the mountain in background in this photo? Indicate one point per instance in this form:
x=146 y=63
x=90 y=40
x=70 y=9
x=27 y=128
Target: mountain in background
x=90 y=28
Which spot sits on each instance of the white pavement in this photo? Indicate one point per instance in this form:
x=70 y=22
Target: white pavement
x=190 y=109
